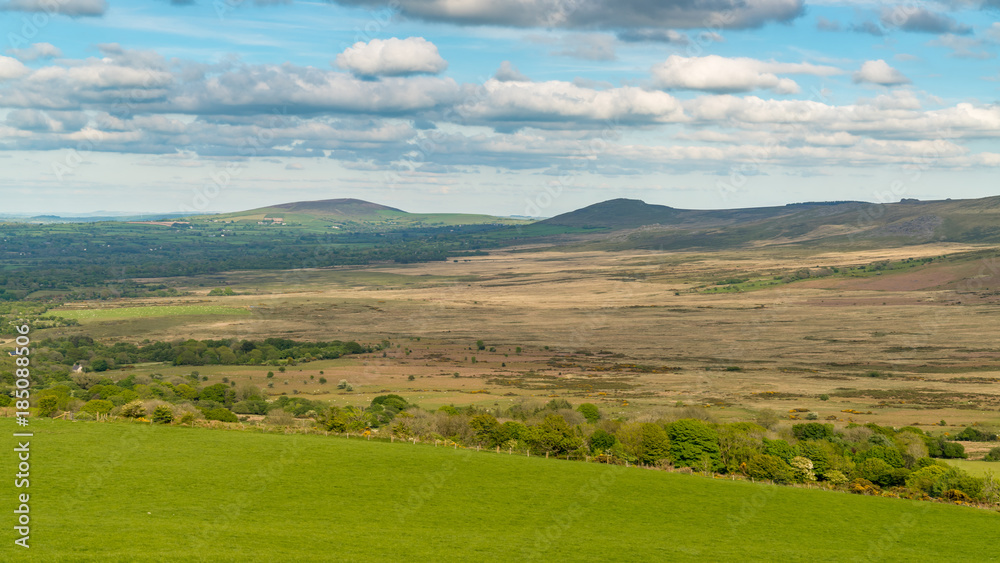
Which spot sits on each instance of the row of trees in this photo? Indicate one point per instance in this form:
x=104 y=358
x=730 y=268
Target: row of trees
x=97 y=356
x=869 y=459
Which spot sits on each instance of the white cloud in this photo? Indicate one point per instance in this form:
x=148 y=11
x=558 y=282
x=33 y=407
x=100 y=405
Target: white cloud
x=993 y=33
x=392 y=57
x=64 y=7
x=509 y=73
x=713 y=73
x=36 y=52
x=11 y=68
x=879 y=72
x=557 y=101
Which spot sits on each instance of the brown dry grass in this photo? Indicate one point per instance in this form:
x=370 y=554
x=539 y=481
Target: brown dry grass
x=641 y=308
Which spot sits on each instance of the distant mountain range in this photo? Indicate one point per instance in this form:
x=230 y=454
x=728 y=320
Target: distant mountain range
x=640 y=225
x=631 y=223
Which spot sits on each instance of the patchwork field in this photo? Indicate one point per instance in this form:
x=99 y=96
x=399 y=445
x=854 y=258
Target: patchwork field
x=635 y=332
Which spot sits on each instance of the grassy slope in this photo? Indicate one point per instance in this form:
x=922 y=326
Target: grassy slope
x=117 y=492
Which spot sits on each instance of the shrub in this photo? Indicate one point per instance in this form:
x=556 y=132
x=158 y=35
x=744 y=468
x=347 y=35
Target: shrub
x=970 y=434
x=992 y=455
x=133 y=409
x=48 y=405
x=835 y=477
x=163 y=415
x=695 y=444
x=803 y=467
x=601 y=441
x=812 y=431
x=769 y=468
x=589 y=411
x=824 y=397
x=221 y=414
x=955 y=495
x=864 y=487
x=322 y=381
x=97 y=406
x=187 y=418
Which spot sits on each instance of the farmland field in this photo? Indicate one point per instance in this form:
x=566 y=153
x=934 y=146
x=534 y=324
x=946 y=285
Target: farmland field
x=104 y=492
x=150 y=312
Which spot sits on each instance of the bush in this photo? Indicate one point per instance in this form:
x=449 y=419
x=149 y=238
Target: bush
x=187 y=418
x=601 y=441
x=48 y=405
x=589 y=411
x=812 y=431
x=992 y=455
x=970 y=434
x=864 y=487
x=97 y=406
x=133 y=409
x=835 y=477
x=766 y=467
x=163 y=415
x=694 y=444
x=221 y=414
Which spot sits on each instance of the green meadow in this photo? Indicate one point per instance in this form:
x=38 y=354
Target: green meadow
x=150 y=312
x=130 y=492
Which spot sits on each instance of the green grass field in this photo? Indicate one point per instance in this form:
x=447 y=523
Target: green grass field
x=128 y=492
x=975 y=467
x=150 y=312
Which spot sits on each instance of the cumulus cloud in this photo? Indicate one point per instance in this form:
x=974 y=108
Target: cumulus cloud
x=599 y=14
x=392 y=57
x=518 y=104
x=11 y=68
x=879 y=72
x=713 y=73
x=65 y=7
x=217 y=112
x=509 y=73
x=921 y=20
x=35 y=52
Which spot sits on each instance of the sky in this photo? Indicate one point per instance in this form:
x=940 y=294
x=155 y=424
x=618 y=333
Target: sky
x=507 y=107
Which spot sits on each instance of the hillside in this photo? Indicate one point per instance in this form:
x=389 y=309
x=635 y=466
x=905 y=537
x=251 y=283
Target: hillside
x=352 y=215
x=635 y=224
x=186 y=494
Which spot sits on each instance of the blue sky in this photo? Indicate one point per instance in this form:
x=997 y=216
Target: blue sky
x=528 y=107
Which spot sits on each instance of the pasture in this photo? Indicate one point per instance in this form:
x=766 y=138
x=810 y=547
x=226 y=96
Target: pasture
x=111 y=491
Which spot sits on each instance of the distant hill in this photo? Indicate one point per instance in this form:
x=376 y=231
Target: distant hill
x=351 y=215
x=632 y=213
x=909 y=221
x=345 y=207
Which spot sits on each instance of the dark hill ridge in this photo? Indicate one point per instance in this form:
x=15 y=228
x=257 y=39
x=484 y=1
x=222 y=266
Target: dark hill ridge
x=830 y=223
x=347 y=207
x=633 y=213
